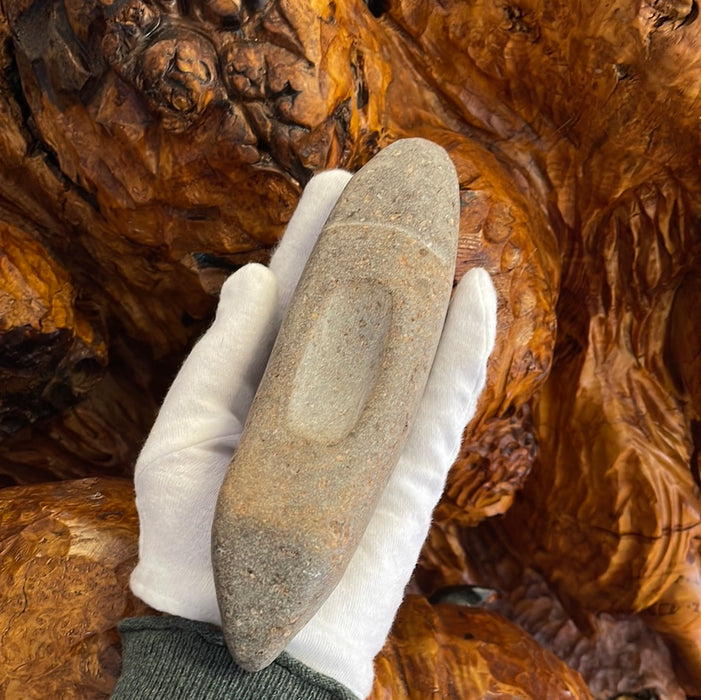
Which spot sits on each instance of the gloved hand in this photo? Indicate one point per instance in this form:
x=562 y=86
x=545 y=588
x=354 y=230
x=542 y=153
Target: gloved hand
x=182 y=465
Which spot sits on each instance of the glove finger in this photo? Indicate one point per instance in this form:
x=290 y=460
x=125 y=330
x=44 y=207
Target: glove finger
x=211 y=395
x=350 y=627
x=456 y=380
x=319 y=197
x=401 y=521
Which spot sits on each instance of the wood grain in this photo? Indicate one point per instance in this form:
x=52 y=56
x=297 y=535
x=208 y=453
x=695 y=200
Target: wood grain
x=450 y=651
x=67 y=549
x=150 y=148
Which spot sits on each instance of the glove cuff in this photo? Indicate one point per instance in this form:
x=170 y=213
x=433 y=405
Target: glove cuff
x=175 y=658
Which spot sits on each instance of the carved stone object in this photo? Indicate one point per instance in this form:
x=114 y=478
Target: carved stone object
x=335 y=404
x=149 y=147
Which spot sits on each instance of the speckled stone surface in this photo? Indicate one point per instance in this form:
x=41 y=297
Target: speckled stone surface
x=337 y=399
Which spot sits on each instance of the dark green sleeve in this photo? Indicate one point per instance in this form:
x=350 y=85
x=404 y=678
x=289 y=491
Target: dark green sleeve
x=177 y=659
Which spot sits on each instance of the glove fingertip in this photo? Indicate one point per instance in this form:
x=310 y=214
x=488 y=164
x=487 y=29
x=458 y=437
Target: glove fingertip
x=328 y=184
x=459 y=369
x=474 y=308
x=318 y=199
x=253 y=280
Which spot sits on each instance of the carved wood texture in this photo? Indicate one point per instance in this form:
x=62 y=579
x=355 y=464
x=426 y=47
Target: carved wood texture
x=149 y=147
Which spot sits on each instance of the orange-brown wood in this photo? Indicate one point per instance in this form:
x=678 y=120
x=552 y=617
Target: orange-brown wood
x=67 y=549
x=448 y=651
x=66 y=552
x=148 y=148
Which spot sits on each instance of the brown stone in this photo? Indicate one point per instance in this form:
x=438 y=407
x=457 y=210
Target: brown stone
x=341 y=388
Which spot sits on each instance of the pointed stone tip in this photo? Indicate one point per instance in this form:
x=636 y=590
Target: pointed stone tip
x=251 y=658
x=269 y=582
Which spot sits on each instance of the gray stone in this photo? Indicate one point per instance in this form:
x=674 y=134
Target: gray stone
x=341 y=387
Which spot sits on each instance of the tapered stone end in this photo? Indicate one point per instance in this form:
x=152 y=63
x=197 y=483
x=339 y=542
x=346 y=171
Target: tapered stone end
x=338 y=396
x=267 y=581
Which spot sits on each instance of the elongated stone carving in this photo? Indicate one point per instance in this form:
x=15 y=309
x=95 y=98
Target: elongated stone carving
x=337 y=399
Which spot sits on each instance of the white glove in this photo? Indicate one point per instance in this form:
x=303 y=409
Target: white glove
x=182 y=465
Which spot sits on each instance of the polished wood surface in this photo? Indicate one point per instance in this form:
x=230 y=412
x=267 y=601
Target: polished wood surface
x=149 y=148
x=66 y=551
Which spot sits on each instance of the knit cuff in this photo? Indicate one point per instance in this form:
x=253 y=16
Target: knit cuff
x=179 y=659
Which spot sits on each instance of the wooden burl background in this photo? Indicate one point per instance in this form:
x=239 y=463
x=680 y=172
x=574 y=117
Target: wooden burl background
x=148 y=148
